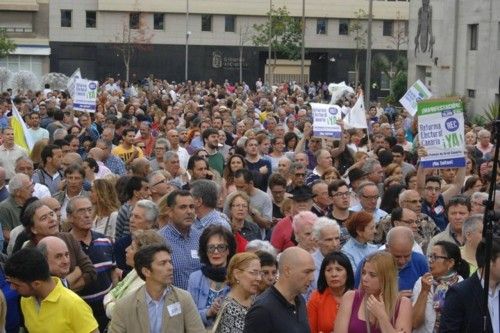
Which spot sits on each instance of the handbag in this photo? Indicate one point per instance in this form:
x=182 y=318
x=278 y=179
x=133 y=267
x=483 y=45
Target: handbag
x=213 y=329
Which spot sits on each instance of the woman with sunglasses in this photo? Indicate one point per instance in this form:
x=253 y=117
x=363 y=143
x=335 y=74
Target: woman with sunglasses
x=446 y=269
x=208 y=286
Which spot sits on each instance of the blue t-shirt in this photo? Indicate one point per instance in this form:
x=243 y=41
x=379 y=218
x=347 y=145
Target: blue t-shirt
x=437 y=213
x=408 y=275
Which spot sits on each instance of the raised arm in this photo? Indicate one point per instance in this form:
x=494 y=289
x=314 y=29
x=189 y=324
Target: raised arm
x=455 y=188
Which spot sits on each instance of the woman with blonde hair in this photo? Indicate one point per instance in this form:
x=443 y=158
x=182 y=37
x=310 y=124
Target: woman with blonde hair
x=243 y=276
x=105 y=201
x=376 y=306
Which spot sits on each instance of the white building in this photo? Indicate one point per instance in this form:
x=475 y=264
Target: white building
x=459 y=49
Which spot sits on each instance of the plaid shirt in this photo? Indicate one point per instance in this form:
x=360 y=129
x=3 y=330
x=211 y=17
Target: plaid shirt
x=184 y=253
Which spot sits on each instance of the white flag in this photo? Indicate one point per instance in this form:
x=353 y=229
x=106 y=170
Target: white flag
x=71 y=82
x=356 y=118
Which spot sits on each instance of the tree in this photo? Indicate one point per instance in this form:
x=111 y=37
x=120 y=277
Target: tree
x=282 y=32
x=244 y=38
x=359 y=33
x=129 y=41
x=399 y=37
x=6 y=45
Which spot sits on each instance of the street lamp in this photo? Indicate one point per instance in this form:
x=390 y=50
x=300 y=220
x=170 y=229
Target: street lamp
x=186 y=65
x=302 y=49
x=269 y=74
x=368 y=54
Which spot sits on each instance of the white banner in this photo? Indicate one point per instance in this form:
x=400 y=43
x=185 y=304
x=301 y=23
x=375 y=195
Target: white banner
x=416 y=93
x=85 y=95
x=325 y=118
x=356 y=117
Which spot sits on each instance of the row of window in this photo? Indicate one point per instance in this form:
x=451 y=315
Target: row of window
x=206 y=23
x=135 y=20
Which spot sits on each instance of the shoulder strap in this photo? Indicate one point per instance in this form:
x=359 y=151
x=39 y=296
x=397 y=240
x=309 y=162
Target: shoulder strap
x=219 y=317
x=106 y=226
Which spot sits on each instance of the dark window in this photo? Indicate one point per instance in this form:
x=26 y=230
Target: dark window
x=159 y=21
x=90 y=19
x=134 y=20
x=343 y=27
x=471 y=93
x=66 y=18
x=206 y=22
x=230 y=23
x=473 y=31
x=387 y=30
x=321 y=26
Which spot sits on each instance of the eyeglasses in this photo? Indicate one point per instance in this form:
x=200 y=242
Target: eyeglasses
x=240 y=206
x=371 y=197
x=341 y=194
x=410 y=222
x=433 y=189
x=253 y=273
x=300 y=175
x=415 y=201
x=219 y=248
x=433 y=257
x=163 y=181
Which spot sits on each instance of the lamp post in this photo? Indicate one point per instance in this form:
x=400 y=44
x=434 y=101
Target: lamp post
x=186 y=65
x=269 y=74
x=302 y=48
x=368 y=54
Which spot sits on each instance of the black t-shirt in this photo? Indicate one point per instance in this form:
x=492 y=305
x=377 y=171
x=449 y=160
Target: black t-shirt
x=272 y=313
x=260 y=180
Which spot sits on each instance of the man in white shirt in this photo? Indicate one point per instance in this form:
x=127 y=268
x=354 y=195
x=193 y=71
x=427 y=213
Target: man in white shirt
x=10 y=152
x=37 y=133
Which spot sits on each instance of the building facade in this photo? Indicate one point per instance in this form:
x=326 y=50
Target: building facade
x=26 y=23
x=85 y=34
x=455 y=49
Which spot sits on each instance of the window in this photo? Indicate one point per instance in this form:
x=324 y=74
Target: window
x=471 y=93
x=344 y=27
x=230 y=23
x=387 y=29
x=66 y=18
x=133 y=22
x=473 y=32
x=385 y=82
x=90 y=19
x=159 y=21
x=206 y=22
x=321 y=26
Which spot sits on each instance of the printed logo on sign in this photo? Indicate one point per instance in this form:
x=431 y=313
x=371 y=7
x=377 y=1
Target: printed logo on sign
x=92 y=86
x=452 y=124
x=332 y=111
x=447 y=113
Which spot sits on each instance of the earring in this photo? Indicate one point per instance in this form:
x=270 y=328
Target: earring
x=237 y=281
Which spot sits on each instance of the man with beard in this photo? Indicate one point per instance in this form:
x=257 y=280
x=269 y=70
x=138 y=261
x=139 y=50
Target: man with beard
x=211 y=144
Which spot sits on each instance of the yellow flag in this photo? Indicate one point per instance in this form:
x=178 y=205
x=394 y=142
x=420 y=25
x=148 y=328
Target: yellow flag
x=22 y=137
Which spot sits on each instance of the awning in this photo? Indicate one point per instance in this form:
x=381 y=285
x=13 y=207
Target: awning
x=40 y=50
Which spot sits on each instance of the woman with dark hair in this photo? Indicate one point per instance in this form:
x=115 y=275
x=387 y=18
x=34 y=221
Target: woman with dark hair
x=411 y=180
x=137 y=188
x=234 y=163
x=277 y=152
x=208 y=286
x=291 y=140
x=336 y=276
x=447 y=267
x=472 y=184
x=390 y=200
x=91 y=169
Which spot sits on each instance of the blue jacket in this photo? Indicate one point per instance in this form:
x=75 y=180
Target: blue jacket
x=198 y=287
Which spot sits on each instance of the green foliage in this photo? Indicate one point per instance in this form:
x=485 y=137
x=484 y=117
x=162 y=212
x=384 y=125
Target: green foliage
x=490 y=114
x=284 y=31
x=6 y=45
x=357 y=29
x=399 y=87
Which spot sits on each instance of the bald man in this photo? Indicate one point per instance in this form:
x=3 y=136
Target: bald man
x=56 y=252
x=69 y=159
x=281 y=308
x=411 y=265
x=140 y=167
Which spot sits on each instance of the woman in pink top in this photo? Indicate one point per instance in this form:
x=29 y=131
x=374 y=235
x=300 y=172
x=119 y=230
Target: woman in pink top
x=376 y=307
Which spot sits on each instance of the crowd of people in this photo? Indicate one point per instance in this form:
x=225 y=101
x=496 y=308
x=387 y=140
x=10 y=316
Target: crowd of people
x=200 y=207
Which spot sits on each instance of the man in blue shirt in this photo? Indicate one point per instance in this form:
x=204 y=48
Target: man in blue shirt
x=411 y=265
x=181 y=236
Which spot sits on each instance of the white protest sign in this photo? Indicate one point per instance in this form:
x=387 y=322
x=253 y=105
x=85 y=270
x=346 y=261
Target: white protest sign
x=441 y=133
x=325 y=118
x=416 y=93
x=85 y=95
x=71 y=82
x=356 y=117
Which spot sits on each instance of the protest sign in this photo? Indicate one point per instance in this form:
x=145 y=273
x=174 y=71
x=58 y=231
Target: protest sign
x=441 y=132
x=417 y=92
x=325 y=118
x=356 y=117
x=71 y=82
x=85 y=95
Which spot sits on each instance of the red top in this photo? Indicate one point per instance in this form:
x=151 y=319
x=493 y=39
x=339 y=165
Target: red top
x=281 y=238
x=241 y=242
x=321 y=311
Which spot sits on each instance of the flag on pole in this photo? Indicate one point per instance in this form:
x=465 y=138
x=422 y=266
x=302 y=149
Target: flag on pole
x=22 y=137
x=356 y=117
x=72 y=81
